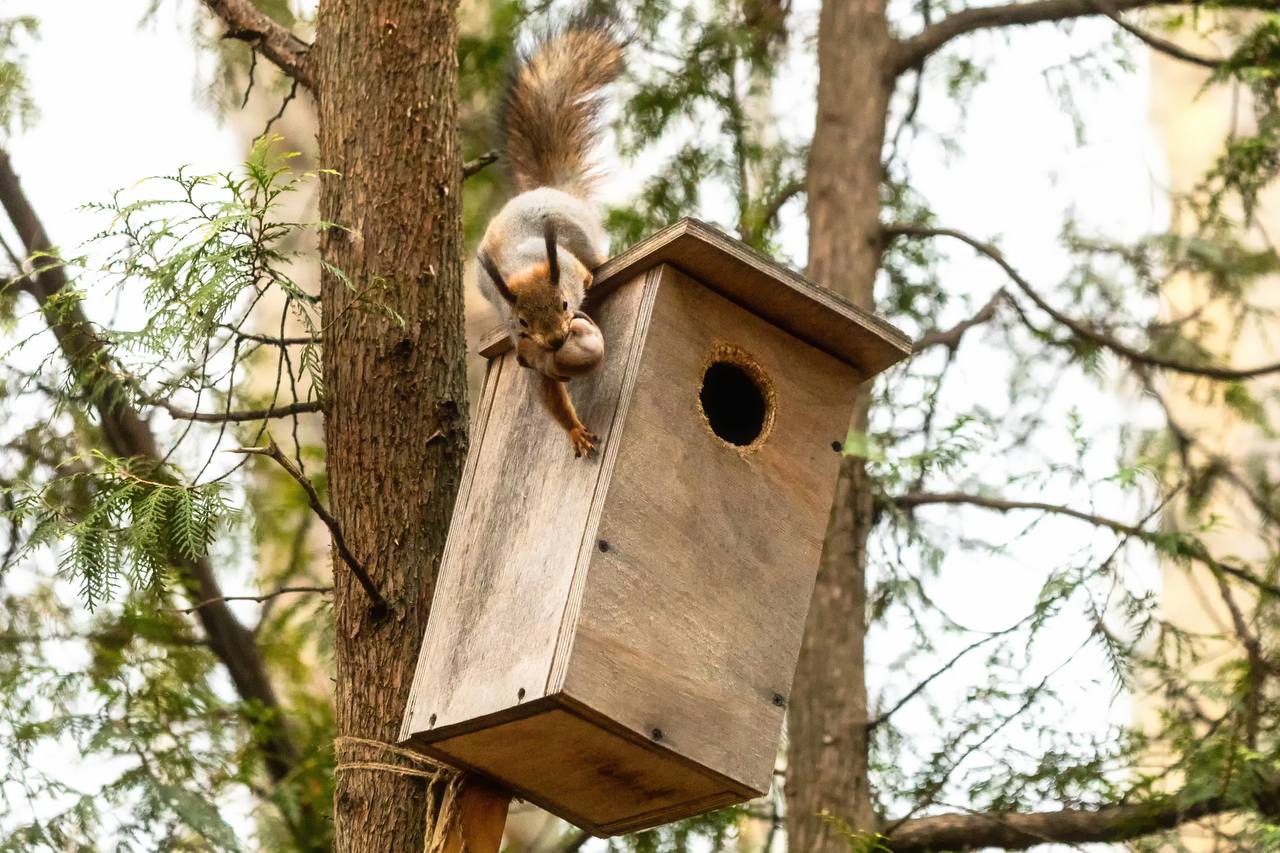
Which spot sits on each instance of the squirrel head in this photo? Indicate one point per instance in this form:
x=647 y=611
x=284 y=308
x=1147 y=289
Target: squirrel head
x=544 y=297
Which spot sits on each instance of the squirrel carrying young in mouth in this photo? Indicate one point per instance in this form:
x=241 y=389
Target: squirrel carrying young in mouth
x=538 y=252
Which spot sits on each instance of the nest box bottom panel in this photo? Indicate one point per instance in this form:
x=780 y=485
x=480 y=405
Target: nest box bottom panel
x=583 y=767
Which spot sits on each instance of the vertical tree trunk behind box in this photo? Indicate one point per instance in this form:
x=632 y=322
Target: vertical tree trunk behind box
x=827 y=754
x=396 y=420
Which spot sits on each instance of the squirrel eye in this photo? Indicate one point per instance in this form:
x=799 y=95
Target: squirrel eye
x=524 y=322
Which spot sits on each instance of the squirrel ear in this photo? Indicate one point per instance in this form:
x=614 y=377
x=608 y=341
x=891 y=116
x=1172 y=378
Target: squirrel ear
x=553 y=257
x=491 y=268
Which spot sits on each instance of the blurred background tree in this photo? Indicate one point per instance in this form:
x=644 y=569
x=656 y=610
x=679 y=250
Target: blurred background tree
x=1067 y=499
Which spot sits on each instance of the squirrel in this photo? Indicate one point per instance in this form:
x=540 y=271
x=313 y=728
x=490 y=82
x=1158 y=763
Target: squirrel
x=538 y=252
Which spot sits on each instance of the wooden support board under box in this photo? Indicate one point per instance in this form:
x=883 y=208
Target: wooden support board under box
x=614 y=638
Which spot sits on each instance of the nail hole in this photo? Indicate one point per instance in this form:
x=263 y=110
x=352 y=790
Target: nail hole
x=432 y=721
x=656 y=734
x=837 y=446
x=604 y=546
x=520 y=694
x=779 y=700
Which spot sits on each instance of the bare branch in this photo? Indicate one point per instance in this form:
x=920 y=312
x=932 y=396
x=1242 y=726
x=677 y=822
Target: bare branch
x=244 y=415
x=380 y=607
x=1067 y=826
x=950 y=338
x=245 y=22
x=787 y=192
x=470 y=167
x=915 y=50
x=1190 y=548
x=284 y=590
x=1079 y=328
x=1153 y=41
x=942 y=670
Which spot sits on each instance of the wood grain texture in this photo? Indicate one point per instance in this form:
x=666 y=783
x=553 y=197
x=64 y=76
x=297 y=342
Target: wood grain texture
x=691 y=621
x=585 y=769
x=770 y=290
x=514 y=541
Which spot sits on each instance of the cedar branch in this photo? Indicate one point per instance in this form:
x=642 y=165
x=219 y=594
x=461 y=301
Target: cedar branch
x=127 y=435
x=1081 y=329
x=1191 y=549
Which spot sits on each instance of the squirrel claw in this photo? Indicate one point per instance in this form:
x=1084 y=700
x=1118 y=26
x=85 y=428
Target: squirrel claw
x=583 y=441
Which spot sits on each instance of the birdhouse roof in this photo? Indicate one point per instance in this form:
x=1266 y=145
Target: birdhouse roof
x=773 y=292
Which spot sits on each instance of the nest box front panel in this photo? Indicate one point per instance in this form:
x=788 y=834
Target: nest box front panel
x=693 y=610
x=514 y=540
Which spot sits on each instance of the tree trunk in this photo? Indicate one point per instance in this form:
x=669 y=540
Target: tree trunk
x=395 y=425
x=827 y=752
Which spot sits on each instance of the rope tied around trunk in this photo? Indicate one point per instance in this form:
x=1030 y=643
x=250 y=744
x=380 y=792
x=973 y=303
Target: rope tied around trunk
x=443 y=784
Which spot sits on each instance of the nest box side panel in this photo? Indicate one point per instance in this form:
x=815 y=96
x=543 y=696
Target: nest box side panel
x=515 y=537
x=694 y=606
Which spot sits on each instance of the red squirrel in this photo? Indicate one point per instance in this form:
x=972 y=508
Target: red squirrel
x=537 y=254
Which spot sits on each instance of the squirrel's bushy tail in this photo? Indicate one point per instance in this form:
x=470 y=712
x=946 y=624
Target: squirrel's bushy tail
x=548 y=122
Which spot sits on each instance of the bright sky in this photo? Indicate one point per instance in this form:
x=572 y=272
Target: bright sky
x=119 y=102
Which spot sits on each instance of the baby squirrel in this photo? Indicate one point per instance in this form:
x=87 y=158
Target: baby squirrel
x=537 y=254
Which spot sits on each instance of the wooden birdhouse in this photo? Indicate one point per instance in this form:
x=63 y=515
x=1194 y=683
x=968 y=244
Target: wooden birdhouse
x=614 y=638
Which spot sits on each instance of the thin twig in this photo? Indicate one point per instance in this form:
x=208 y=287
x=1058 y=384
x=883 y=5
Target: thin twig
x=293 y=93
x=272 y=451
x=1079 y=328
x=1155 y=42
x=950 y=338
x=284 y=590
x=470 y=167
x=245 y=415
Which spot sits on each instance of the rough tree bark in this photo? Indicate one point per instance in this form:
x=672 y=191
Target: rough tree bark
x=395 y=427
x=827 y=720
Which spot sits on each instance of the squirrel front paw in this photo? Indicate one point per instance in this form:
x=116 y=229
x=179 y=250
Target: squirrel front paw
x=583 y=441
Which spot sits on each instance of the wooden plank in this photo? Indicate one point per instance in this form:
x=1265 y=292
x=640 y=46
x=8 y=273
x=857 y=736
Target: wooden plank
x=586 y=550
x=577 y=769
x=690 y=623
x=514 y=539
x=768 y=289
x=482 y=819
x=479 y=423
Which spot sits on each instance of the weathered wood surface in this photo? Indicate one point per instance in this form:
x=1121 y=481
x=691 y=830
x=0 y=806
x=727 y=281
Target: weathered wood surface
x=517 y=530
x=772 y=291
x=691 y=621
x=650 y=602
x=584 y=769
x=482 y=818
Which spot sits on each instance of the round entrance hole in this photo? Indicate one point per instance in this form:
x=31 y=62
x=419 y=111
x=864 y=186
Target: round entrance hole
x=736 y=398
